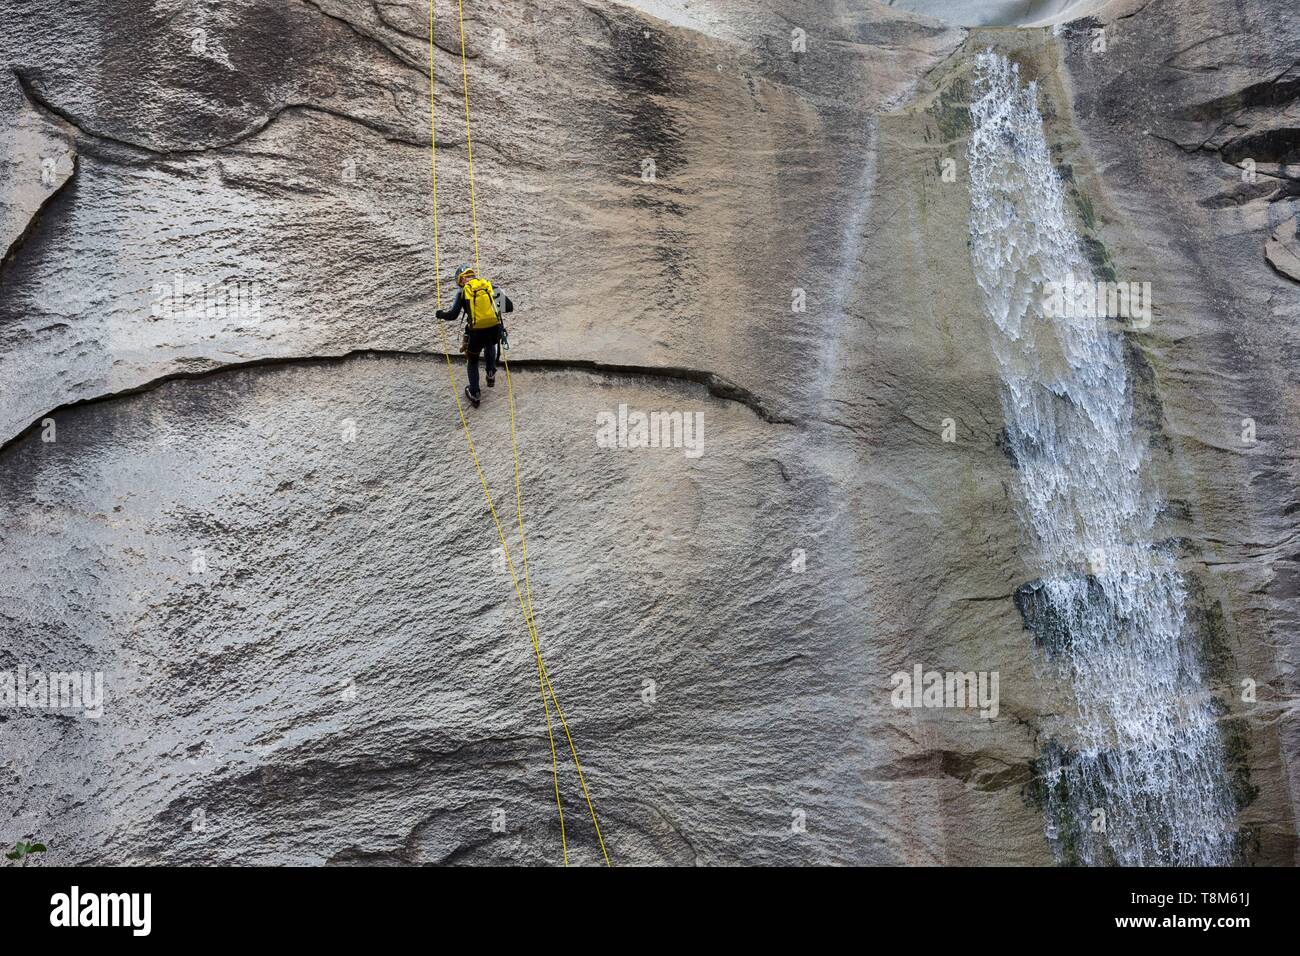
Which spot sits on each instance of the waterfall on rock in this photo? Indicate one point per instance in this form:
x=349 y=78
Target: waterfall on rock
x=1133 y=773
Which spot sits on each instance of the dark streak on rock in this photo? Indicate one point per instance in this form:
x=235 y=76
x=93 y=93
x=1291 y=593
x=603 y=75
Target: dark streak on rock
x=397 y=55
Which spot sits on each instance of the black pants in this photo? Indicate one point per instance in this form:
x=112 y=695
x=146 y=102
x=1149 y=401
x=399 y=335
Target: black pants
x=488 y=342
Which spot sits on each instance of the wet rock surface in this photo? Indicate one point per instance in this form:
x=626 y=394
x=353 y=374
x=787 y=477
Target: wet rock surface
x=1168 y=114
x=258 y=518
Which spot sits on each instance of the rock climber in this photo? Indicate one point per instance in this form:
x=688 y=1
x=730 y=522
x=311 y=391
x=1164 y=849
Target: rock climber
x=482 y=307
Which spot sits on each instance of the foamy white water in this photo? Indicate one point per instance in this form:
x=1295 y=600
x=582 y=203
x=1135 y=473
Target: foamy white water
x=1142 y=744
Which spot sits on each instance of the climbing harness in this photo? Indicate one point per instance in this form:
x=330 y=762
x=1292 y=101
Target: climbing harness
x=524 y=594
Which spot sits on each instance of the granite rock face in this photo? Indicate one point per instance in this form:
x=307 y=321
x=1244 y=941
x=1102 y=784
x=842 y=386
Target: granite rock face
x=235 y=482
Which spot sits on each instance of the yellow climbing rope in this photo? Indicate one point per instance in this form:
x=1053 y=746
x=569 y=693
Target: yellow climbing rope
x=524 y=595
x=469 y=139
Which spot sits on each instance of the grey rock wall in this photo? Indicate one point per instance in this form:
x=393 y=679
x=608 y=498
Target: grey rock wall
x=259 y=519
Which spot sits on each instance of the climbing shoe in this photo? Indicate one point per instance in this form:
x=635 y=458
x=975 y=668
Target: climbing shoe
x=473 y=399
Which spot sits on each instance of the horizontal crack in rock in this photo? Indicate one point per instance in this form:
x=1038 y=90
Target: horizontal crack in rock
x=40 y=100
x=717 y=385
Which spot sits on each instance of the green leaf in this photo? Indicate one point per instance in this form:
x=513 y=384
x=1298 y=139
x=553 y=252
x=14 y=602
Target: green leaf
x=22 y=848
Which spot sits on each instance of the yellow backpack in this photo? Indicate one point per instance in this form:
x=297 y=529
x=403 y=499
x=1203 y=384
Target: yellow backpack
x=480 y=301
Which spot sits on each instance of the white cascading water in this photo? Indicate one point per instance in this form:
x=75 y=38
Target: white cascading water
x=1134 y=773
